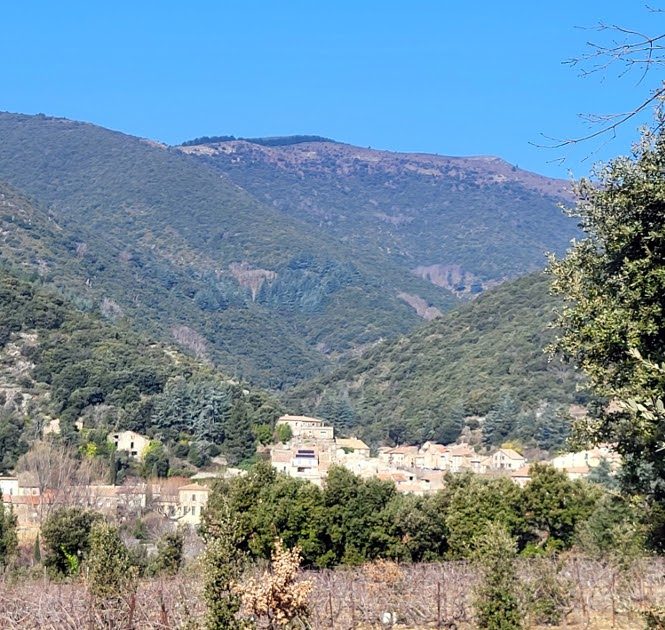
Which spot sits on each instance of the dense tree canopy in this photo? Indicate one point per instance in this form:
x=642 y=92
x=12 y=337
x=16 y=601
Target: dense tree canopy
x=612 y=325
x=352 y=520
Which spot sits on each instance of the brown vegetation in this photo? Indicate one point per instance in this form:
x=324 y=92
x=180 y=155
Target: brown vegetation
x=420 y=596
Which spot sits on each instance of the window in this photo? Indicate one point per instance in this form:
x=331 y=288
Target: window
x=193 y=497
x=131 y=445
x=193 y=510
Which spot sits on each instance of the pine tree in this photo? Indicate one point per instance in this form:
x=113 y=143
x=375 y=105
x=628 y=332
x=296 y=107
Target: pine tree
x=500 y=422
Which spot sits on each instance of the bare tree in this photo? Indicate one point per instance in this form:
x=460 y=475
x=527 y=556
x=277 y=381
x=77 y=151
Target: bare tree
x=51 y=469
x=631 y=53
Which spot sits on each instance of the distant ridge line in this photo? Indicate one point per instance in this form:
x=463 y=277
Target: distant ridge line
x=270 y=141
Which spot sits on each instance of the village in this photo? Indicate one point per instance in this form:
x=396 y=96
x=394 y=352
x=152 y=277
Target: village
x=313 y=448
x=310 y=449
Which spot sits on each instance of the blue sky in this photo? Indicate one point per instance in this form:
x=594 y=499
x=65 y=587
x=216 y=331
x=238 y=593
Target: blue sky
x=462 y=78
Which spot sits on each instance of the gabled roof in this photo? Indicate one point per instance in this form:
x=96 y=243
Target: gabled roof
x=193 y=486
x=510 y=453
x=353 y=443
x=404 y=450
x=525 y=471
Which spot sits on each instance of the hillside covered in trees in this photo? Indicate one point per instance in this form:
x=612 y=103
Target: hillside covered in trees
x=464 y=224
x=56 y=362
x=272 y=290
x=486 y=357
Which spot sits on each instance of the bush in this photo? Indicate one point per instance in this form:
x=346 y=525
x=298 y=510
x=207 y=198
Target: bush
x=66 y=536
x=169 y=554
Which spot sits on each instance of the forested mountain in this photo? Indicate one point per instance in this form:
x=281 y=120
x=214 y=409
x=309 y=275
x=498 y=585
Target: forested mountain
x=173 y=244
x=462 y=223
x=485 y=356
x=57 y=362
x=271 y=292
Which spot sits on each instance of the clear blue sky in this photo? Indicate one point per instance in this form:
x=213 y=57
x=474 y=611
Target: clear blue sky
x=454 y=78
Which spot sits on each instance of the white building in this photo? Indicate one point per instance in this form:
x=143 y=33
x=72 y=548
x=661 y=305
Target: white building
x=134 y=443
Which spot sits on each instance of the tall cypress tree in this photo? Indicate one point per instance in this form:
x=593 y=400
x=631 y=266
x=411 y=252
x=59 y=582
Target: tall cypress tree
x=240 y=441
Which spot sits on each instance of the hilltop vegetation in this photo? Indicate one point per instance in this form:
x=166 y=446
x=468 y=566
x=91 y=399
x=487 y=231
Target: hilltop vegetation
x=275 y=141
x=482 y=357
x=464 y=224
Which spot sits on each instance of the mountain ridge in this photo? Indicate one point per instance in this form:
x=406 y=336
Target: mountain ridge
x=276 y=274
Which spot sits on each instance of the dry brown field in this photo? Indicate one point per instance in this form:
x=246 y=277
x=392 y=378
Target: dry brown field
x=438 y=595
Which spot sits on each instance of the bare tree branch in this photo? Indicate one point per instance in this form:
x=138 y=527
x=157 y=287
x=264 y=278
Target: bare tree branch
x=628 y=50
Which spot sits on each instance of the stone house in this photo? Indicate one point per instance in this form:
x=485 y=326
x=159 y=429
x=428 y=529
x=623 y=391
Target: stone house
x=304 y=427
x=507 y=459
x=130 y=441
x=353 y=445
x=461 y=456
x=192 y=500
x=300 y=462
x=522 y=476
x=400 y=456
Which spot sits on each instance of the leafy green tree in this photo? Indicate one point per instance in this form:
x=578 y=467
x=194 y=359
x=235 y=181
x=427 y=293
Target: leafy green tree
x=263 y=433
x=555 y=505
x=471 y=502
x=284 y=433
x=613 y=282
x=169 y=556
x=155 y=461
x=66 y=533
x=354 y=515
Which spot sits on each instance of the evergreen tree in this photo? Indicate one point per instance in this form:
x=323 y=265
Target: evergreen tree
x=223 y=562
x=555 y=505
x=240 y=442
x=36 y=552
x=552 y=428
x=450 y=425
x=66 y=534
x=109 y=574
x=8 y=535
x=169 y=554
x=497 y=602
x=500 y=422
